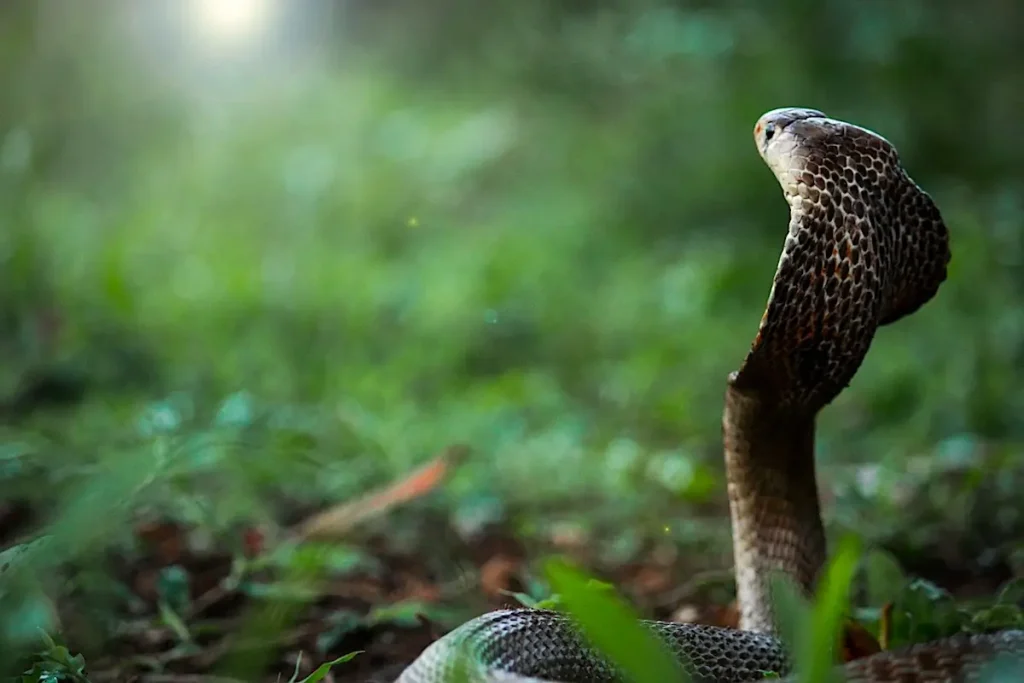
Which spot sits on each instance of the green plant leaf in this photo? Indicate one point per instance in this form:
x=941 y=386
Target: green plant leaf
x=923 y=611
x=321 y=671
x=612 y=627
x=997 y=617
x=522 y=598
x=811 y=629
x=816 y=660
x=884 y=577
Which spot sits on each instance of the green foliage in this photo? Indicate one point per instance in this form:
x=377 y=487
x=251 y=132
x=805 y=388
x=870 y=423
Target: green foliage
x=557 y=256
x=54 y=664
x=918 y=611
x=541 y=229
x=812 y=632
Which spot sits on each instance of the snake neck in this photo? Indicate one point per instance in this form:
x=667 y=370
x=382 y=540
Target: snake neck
x=773 y=502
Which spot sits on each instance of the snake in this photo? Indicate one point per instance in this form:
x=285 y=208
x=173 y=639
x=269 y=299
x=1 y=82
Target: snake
x=865 y=247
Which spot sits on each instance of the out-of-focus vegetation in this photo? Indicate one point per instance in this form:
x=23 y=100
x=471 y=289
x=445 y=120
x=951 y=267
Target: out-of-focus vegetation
x=273 y=267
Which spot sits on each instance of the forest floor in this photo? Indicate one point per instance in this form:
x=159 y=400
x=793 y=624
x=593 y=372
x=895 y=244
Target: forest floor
x=260 y=606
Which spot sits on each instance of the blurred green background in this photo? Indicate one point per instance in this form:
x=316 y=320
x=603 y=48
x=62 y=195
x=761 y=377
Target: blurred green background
x=288 y=251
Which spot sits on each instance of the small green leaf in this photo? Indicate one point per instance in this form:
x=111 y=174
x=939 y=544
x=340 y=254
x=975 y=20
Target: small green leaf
x=236 y=411
x=322 y=670
x=998 y=617
x=552 y=603
x=523 y=599
x=923 y=611
x=884 y=577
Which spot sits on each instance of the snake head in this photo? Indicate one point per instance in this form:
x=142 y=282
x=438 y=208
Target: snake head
x=786 y=137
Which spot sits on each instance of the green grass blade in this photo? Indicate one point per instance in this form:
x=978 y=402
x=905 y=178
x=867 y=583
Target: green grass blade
x=612 y=627
x=816 y=659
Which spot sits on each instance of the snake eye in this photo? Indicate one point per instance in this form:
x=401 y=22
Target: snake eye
x=769 y=131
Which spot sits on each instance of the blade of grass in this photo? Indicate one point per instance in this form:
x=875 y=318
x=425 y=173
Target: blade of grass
x=321 y=671
x=793 y=611
x=612 y=627
x=815 y=657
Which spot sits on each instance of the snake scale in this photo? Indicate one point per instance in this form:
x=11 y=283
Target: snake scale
x=865 y=247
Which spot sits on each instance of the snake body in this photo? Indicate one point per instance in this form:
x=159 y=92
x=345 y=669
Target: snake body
x=865 y=247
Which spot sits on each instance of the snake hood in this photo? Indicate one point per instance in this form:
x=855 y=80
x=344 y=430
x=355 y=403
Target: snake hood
x=865 y=247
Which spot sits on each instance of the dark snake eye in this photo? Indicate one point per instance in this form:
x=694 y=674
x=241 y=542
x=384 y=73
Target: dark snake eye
x=769 y=131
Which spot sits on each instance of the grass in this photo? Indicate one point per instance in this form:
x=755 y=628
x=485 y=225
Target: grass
x=187 y=457
x=611 y=626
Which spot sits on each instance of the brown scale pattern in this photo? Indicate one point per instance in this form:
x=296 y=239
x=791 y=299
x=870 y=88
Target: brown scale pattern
x=936 y=662
x=539 y=646
x=527 y=645
x=866 y=247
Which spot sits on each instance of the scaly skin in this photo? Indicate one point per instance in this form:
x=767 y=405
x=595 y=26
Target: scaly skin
x=866 y=247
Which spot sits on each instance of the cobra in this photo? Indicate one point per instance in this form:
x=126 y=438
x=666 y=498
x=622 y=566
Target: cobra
x=865 y=247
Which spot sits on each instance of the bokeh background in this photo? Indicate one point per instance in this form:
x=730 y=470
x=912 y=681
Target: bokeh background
x=259 y=257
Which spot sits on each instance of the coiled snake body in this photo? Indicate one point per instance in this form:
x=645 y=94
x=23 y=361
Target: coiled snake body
x=865 y=247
